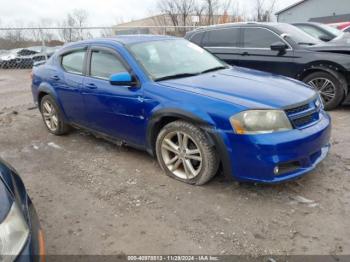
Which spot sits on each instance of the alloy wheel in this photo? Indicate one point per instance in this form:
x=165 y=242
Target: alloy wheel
x=181 y=155
x=50 y=116
x=325 y=87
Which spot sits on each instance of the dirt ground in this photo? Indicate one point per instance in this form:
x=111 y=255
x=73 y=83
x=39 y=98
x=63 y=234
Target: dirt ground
x=94 y=197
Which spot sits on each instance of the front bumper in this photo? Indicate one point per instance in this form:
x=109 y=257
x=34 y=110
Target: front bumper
x=254 y=158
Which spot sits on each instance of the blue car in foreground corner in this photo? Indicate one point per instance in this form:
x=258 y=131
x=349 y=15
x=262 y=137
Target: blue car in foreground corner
x=192 y=111
x=21 y=238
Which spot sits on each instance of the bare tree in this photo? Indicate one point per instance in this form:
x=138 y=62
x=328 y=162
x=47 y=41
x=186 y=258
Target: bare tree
x=263 y=11
x=185 y=10
x=211 y=7
x=199 y=9
x=169 y=8
x=74 y=23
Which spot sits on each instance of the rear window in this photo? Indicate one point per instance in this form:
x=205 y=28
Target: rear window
x=74 y=62
x=197 y=38
x=226 y=37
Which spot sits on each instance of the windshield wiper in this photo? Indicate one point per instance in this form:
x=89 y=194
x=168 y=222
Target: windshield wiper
x=213 y=69
x=176 y=76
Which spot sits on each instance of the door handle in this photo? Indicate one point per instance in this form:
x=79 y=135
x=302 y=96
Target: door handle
x=245 y=54
x=91 y=86
x=56 y=78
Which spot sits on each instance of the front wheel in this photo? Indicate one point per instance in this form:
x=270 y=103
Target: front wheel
x=330 y=88
x=184 y=153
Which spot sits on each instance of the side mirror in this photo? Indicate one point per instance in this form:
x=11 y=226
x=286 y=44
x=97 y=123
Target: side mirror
x=325 y=38
x=121 y=79
x=279 y=46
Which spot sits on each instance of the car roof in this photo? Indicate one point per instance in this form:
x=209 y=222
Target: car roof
x=124 y=39
x=269 y=25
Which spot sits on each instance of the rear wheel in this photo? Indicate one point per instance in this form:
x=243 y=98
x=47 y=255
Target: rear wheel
x=52 y=116
x=184 y=153
x=331 y=88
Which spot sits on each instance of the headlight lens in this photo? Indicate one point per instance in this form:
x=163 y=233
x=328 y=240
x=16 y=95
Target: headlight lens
x=260 y=122
x=14 y=232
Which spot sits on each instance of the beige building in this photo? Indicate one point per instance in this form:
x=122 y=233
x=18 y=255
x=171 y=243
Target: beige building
x=164 y=24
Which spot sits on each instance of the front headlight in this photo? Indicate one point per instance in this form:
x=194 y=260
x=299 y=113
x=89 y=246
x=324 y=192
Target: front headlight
x=14 y=232
x=260 y=122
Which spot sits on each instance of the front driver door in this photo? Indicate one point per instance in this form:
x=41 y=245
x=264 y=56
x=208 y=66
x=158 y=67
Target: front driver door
x=257 y=54
x=114 y=110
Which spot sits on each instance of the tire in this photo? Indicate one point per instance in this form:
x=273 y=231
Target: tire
x=59 y=126
x=334 y=88
x=195 y=152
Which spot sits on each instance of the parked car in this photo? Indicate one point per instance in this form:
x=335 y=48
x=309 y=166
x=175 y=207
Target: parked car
x=25 y=57
x=325 y=33
x=320 y=31
x=281 y=49
x=181 y=104
x=341 y=26
x=21 y=238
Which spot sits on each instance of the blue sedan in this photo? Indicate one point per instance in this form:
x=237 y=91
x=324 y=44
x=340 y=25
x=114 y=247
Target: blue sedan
x=192 y=111
x=21 y=238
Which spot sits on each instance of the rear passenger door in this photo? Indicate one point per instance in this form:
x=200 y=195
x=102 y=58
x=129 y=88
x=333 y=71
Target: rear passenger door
x=257 y=53
x=225 y=43
x=68 y=83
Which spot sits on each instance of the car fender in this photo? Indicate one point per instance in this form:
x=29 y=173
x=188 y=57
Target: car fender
x=45 y=87
x=201 y=119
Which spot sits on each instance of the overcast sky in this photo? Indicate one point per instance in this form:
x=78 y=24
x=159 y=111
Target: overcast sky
x=101 y=12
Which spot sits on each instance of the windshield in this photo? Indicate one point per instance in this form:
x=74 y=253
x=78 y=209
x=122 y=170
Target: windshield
x=297 y=35
x=174 y=58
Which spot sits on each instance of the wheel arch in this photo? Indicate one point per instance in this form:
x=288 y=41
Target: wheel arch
x=326 y=66
x=165 y=116
x=48 y=90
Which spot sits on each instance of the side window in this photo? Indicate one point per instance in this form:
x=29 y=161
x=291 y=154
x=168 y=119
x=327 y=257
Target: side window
x=74 y=62
x=228 y=37
x=259 y=38
x=104 y=64
x=347 y=30
x=197 y=38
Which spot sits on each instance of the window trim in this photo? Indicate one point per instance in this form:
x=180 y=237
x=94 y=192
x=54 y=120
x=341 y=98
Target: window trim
x=262 y=48
x=70 y=51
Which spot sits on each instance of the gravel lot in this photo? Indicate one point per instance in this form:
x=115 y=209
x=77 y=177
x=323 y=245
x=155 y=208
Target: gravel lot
x=94 y=197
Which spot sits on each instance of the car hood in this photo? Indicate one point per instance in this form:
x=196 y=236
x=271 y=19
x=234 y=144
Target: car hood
x=337 y=46
x=246 y=87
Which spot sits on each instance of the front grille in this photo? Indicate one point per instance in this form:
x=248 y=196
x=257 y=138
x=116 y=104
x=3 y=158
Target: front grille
x=305 y=120
x=304 y=115
x=298 y=109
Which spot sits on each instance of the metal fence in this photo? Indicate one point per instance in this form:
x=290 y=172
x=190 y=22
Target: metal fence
x=23 y=47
